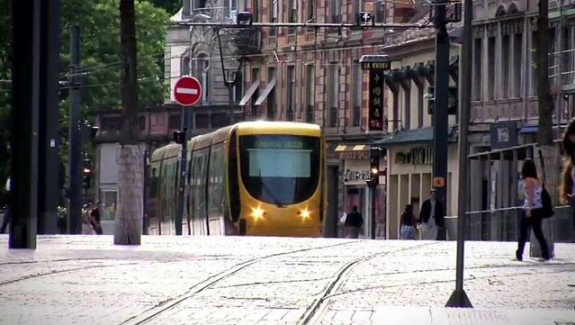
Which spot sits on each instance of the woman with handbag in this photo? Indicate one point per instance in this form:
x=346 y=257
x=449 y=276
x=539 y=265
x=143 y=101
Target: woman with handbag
x=532 y=210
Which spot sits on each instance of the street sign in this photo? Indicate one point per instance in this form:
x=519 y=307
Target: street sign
x=187 y=91
x=438 y=182
x=363 y=18
x=375 y=62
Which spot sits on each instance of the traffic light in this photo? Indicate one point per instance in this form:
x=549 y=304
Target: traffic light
x=87 y=174
x=374 y=164
x=453 y=100
x=179 y=137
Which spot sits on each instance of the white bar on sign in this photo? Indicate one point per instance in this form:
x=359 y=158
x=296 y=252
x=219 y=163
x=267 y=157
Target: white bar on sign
x=188 y=91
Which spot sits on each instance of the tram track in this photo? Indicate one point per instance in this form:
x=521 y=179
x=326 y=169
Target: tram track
x=53 y=272
x=171 y=303
x=316 y=308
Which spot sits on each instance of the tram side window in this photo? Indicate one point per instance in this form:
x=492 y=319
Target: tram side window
x=235 y=203
x=195 y=177
x=169 y=191
x=199 y=160
x=216 y=172
x=203 y=178
x=210 y=184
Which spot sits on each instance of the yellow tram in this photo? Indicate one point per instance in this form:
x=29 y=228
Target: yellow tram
x=258 y=178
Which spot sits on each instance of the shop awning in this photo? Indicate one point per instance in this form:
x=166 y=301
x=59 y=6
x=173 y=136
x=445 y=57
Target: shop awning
x=264 y=95
x=413 y=136
x=352 y=147
x=249 y=93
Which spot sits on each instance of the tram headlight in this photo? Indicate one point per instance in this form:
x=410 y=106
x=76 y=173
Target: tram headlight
x=258 y=213
x=305 y=213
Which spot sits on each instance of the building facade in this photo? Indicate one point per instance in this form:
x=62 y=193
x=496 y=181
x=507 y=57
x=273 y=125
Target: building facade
x=409 y=140
x=205 y=52
x=504 y=114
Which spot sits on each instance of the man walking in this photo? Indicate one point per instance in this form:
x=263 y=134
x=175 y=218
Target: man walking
x=353 y=223
x=432 y=217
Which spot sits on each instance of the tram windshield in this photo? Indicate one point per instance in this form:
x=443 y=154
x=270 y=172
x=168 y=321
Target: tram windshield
x=280 y=169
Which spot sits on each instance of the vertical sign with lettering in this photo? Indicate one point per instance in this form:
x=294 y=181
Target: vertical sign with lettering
x=375 y=104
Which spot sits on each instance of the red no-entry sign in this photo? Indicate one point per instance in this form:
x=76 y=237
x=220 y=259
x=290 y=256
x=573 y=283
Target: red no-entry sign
x=187 y=91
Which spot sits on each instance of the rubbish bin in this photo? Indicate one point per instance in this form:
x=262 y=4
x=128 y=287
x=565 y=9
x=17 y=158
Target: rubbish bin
x=451 y=227
x=548 y=226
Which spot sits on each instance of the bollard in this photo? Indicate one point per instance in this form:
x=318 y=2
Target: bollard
x=451 y=228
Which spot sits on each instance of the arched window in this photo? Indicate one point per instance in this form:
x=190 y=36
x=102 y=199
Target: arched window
x=185 y=68
x=500 y=11
x=512 y=9
x=202 y=72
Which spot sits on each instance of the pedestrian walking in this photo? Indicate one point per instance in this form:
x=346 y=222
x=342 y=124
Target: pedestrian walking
x=431 y=217
x=87 y=228
x=566 y=189
x=407 y=222
x=353 y=223
x=532 y=213
x=95 y=220
x=8 y=212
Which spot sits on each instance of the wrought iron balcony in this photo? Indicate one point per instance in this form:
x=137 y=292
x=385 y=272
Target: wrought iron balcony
x=248 y=41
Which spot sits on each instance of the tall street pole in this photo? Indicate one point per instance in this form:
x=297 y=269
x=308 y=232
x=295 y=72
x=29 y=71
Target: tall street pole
x=26 y=20
x=184 y=154
x=48 y=155
x=459 y=297
x=74 y=137
x=440 y=108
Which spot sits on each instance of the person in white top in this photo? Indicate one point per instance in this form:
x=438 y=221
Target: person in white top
x=431 y=217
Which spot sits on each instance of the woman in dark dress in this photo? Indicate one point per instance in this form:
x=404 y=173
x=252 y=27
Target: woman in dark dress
x=407 y=221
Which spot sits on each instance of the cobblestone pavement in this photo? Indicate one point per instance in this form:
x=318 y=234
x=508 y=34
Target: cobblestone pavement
x=240 y=280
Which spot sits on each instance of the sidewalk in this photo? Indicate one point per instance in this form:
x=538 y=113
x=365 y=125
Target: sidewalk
x=251 y=280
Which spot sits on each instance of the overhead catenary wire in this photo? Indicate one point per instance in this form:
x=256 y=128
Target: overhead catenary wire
x=315 y=51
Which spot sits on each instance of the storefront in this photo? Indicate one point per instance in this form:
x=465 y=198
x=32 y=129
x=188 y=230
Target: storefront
x=355 y=161
x=409 y=172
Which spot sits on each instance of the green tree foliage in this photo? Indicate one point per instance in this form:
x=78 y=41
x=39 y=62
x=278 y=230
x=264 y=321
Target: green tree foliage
x=171 y=6
x=101 y=58
x=5 y=54
x=100 y=51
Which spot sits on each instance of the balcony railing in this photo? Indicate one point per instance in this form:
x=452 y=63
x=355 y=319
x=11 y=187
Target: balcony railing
x=212 y=12
x=248 y=41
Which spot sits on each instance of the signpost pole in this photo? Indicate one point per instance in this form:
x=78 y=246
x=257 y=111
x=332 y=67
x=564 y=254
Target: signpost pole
x=440 y=108
x=459 y=298
x=376 y=65
x=182 y=186
x=187 y=92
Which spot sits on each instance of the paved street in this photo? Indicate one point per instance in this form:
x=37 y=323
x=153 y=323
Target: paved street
x=225 y=280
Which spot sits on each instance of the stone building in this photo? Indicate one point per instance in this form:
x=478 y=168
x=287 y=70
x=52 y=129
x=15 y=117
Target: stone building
x=504 y=114
x=409 y=140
